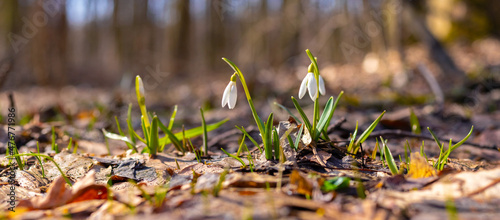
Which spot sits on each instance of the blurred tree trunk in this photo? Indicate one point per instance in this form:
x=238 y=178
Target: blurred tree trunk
x=217 y=13
x=451 y=76
x=289 y=36
x=59 y=50
x=40 y=49
x=180 y=41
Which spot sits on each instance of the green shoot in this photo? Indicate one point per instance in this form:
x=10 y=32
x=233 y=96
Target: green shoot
x=381 y=152
x=172 y=118
x=365 y=134
x=54 y=144
x=139 y=90
x=268 y=137
x=218 y=187
x=75 y=149
x=235 y=157
x=193 y=132
x=299 y=137
x=154 y=139
x=46 y=157
x=388 y=157
x=249 y=137
x=240 y=148
x=205 y=135
x=415 y=125
x=353 y=137
x=173 y=138
x=443 y=156
x=321 y=125
x=407 y=149
x=130 y=129
x=374 y=152
x=177 y=164
x=130 y=144
x=70 y=144
x=289 y=112
x=302 y=114
x=276 y=144
x=422 y=153
x=19 y=160
x=39 y=159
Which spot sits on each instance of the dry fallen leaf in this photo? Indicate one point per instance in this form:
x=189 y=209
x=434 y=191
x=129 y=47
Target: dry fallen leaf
x=60 y=194
x=299 y=184
x=420 y=168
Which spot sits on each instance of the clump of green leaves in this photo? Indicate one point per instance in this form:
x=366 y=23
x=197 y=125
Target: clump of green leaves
x=151 y=125
x=265 y=129
x=443 y=155
x=354 y=146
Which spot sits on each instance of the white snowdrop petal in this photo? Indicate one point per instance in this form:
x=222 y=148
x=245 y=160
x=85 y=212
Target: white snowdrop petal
x=225 y=96
x=233 y=95
x=303 y=86
x=322 y=90
x=312 y=87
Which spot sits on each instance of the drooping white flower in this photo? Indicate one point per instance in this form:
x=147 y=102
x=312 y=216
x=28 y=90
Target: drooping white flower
x=230 y=95
x=309 y=82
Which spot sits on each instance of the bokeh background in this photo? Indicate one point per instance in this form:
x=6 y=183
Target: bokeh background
x=376 y=51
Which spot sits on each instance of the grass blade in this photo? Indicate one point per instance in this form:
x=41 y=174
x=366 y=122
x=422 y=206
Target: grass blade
x=193 y=132
x=374 y=152
x=369 y=130
x=440 y=145
x=130 y=145
x=145 y=131
x=276 y=144
x=302 y=114
x=116 y=136
x=249 y=137
x=70 y=145
x=46 y=157
x=415 y=125
x=172 y=118
x=205 y=135
x=54 y=145
x=235 y=157
x=324 y=131
x=289 y=112
x=351 y=146
x=131 y=131
x=240 y=148
x=325 y=117
x=173 y=138
x=299 y=137
x=463 y=140
x=267 y=137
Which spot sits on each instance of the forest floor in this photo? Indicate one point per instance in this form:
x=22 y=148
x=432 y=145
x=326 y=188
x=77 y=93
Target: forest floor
x=315 y=182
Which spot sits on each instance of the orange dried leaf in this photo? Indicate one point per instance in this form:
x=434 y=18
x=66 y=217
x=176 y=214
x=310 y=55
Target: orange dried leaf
x=420 y=168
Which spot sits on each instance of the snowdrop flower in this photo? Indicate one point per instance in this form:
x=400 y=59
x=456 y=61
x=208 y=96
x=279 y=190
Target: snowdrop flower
x=230 y=93
x=310 y=82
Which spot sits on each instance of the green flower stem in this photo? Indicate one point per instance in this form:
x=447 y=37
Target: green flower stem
x=247 y=93
x=316 y=100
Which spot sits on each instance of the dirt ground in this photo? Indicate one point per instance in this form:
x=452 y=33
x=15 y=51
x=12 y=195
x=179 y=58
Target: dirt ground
x=176 y=186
